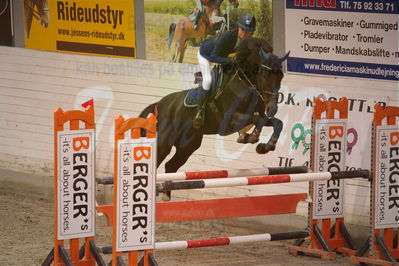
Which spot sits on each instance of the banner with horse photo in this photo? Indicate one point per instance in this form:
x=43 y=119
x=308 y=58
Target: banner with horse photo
x=174 y=30
x=86 y=27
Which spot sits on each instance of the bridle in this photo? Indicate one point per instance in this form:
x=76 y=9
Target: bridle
x=261 y=68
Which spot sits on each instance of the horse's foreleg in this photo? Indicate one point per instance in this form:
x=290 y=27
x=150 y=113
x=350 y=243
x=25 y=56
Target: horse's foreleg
x=257 y=121
x=277 y=124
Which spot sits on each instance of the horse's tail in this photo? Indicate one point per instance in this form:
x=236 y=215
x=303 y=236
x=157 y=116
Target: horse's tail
x=172 y=29
x=151 y=109
x=148 y=110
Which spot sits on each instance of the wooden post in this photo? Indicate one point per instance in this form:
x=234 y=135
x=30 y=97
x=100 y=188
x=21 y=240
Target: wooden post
x=324 y=243
x=60 y=118
x=134 y=126
x=382 y=249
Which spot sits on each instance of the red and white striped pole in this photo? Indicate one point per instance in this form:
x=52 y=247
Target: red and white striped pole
x=230 y=173
x=218 y=174
x=260 y=180
x=223 y=241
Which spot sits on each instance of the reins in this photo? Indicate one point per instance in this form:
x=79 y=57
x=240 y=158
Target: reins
x=240 y=72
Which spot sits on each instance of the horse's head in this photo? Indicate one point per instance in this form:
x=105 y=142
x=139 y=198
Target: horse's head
x=270 y=73
x=43 y=8
x=256 y=58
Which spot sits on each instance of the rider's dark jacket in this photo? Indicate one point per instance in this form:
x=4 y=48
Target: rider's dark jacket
x=216 y=50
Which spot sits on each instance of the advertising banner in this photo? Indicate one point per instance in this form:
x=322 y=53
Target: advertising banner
x=6 y=23
x=330 y=143
x=136 y=194
x=343 y=38
x=76 y=184
x=88 y=27
x=387 y=177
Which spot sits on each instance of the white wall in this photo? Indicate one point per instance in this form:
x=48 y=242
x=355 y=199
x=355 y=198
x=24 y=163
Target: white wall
x=34 y=83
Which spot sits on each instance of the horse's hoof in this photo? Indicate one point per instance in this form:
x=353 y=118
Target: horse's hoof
x=243 y=138
x=263 y=148
x=253 y=139
x=165 y=196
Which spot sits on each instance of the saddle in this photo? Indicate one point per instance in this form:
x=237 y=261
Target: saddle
x=217 y=77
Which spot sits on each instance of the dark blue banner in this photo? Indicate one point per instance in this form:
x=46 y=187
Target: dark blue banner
x=370 y=6
x=343 y=68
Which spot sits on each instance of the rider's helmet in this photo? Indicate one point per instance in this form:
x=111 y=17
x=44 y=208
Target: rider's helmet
x=247 y=22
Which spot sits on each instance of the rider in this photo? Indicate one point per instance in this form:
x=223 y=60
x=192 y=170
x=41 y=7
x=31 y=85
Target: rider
x=216 y=50
x=200 y=10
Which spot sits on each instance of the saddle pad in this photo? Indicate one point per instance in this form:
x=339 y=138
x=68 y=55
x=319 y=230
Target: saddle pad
x=191 y=98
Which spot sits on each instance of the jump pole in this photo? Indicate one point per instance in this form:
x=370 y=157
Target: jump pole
x=382 y=246
x=230 y=173
x=194 y=175
x=328 y=152
x=223 y=241
x=261 y=180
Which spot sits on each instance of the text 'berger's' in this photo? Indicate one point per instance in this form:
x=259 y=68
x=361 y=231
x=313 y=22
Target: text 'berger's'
x=394 y=173
x=140 y=195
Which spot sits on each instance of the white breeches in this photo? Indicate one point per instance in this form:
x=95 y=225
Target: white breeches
x=205 y=68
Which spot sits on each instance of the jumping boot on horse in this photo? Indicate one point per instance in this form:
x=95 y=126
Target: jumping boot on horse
x=198 y=121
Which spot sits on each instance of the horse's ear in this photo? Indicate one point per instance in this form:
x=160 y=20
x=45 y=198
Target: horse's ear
x=284 y=57
x=267 y=47
x=263 y=54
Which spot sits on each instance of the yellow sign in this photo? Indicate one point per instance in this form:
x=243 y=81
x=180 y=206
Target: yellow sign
x=104 y=27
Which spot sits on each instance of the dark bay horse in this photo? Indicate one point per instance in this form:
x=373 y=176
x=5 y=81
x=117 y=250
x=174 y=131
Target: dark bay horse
x=182 y=32
x=38 y=9
x=248 y=96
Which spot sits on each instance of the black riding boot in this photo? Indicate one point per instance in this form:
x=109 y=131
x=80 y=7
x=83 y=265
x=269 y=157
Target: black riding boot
x=198 y=121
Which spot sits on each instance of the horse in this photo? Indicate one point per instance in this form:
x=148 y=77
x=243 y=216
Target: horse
x=183 y=31
x=41 y=14
x=248 y=96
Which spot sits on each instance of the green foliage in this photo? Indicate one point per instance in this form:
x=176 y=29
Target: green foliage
x=262 y=10
x=264 y=21
x=169 y=7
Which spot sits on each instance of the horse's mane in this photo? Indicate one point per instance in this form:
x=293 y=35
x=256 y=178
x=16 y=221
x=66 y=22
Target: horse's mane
x=248 y=54
x=248 y=50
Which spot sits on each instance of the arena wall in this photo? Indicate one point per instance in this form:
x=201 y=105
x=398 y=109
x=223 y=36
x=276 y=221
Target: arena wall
x=34 y=83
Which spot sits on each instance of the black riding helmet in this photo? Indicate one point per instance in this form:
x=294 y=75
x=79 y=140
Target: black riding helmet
x=247 y=22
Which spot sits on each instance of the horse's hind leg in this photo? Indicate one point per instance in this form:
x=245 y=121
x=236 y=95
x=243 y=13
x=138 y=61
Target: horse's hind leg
x=180 y=158
x=277 y=125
